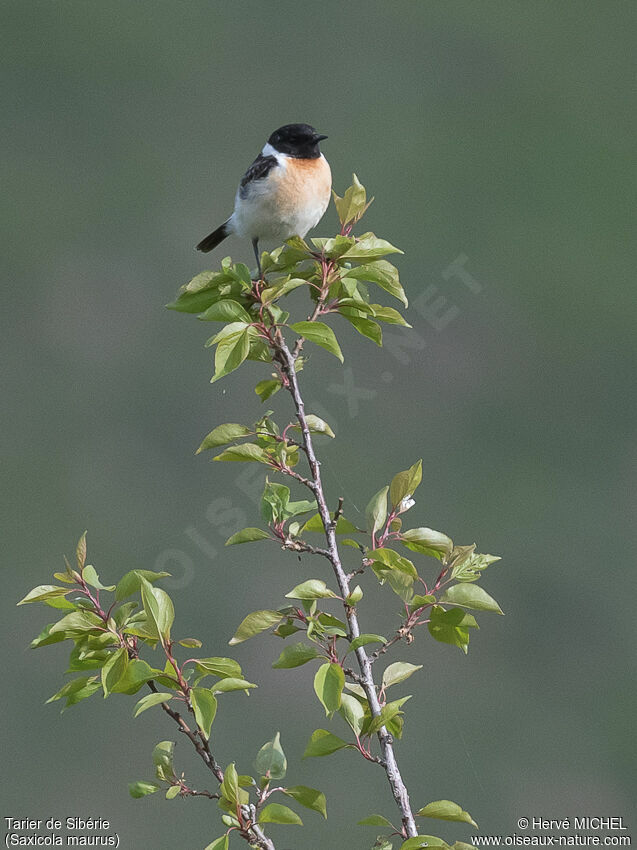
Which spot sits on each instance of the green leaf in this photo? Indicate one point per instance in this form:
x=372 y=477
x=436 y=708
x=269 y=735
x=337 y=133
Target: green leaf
x=137 y=674
x=308 y=797
x=446 y=810
x=343 y=526
x=388 y=315
x=404 y=484
x=192 y=643
x=470 y=596
x=271 y=761
x=273 y=293
x=204 y=705
x=247 y=535
x=149 y=701
x=224 y=434
x=398 y=672
x=80 y=552
x=353 y=204
x=354 y=596
x=451 y=626
x=316 y=425
x=329 y=682
x=381 y=273
x=246 y=453
x=427 y=542
x=43 y=592
x=226 y=310
x=230 y=787
x=163 y=756
x=370 y=247
x=114 y=669
x=142 y=789
x=295 y=655
x=363 y=640
x=352 y=712
x=323 y=743
x=422 y=841
x=173 y=791
x=230 y=683
x=276 y=813
x=217 y=666
x=219 y=843
x=365 y=327
x=312 y=589
x=375 y=820
x=71 y=687
x=387 y=713
x=255 y=623
x=376 y=511
x=131 y=582
x=231 y=352
x=267 y=388
x=321 y=334
x=90 y=576
x=159 y=609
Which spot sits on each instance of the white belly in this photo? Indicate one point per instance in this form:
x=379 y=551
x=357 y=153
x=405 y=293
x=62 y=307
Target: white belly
x=290 y=201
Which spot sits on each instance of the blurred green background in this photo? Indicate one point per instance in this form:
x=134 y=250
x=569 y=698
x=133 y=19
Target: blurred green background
x=499 y=135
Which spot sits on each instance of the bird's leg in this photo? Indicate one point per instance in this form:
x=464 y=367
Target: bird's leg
x=255 y=247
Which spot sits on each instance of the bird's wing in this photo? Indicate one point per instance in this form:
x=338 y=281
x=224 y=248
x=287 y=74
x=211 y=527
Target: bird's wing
x=259 y=169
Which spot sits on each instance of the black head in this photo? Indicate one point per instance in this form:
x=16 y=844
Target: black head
x=299 y=140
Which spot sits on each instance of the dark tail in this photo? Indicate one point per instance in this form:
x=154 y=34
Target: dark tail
x=212 y=240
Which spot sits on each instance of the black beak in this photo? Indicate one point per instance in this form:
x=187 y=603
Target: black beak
x=318 y=138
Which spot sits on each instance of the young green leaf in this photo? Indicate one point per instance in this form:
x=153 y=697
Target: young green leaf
x=276 y=813
x=323 y=743
x=352 y=712
x=245 y=453
x=353 y=204
x=224 y=686
x=114 y=670
x=271 y=761
x=254 y=624
x=295 y=655
x=159 y=609
x=427 y=542
x=204 y=705
x=219 y=843
x=451 y=626
x=470 y=596
x=131 y=582
x=224 y=434
x=308 y=797
x=404 y=484
x=321 y=334
x=149 y=701
x=43 y=592
x=90 y=576
x=316 y=425
x=217 y=666
x=381 y=273
x=375 y=820
x=247 y=535
x=329 y=682
x=226 y=310
x=142 y=789
x=312 y=589
x=376 y=511
x=398 y=672
x=363 y=640
x=173 y=791
x=422 y=841
x=446 y=810
x=267 y=388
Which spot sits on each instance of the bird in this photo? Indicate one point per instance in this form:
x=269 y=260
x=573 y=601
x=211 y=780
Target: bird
x=284 y=193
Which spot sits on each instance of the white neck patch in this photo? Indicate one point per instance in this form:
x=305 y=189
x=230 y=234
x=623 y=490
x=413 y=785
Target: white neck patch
x=268 y=150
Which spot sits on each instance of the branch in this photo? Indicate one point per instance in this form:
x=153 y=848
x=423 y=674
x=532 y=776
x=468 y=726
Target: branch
x=399 y=791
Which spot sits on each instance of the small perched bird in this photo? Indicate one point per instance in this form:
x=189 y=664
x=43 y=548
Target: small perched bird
x=284 y=193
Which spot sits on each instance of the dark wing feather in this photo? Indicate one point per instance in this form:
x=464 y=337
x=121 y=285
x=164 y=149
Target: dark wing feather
x=259 y=169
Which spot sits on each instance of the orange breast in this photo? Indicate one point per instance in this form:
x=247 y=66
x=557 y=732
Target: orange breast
x=305 y=182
